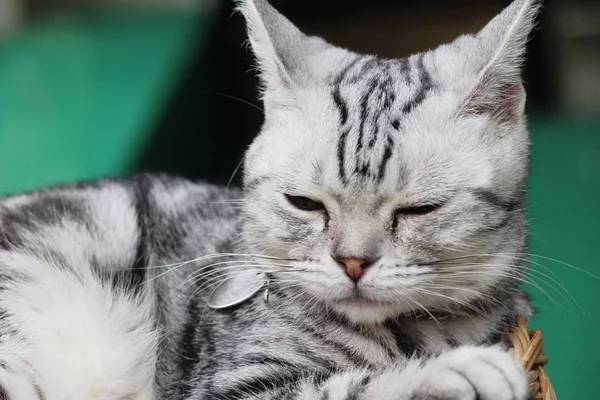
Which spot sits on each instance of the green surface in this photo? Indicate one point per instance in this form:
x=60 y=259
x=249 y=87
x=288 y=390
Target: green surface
x=564 y=210
x=80 y=93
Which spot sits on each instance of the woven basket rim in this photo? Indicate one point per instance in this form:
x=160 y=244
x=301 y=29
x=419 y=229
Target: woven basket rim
x=527 y=346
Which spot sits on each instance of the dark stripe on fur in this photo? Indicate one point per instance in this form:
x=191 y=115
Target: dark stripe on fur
x=143 y=211
x=451 y=340
x=387 y=154
x=358 y=388
x=255 y=183
x=426 y=86
x=346 y=351
x=190 y=354
x=407 y=341
x=343 y=111
x=319 y=378
x=261 y=359
x=498 y=334
x=341 y=105
x=4 y=243
x=257 y=385
x=50 y=210
x=490 y=198
x=324 y=395
x=466 y=378
x=364 y=107
x=341 y=151
x=405 y=69
x=504 y=377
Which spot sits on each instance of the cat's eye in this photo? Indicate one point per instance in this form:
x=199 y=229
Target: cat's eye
x=304 y=203
x=418 y=210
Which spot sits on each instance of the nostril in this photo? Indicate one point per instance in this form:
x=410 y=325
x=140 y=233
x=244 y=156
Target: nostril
x=354 y=266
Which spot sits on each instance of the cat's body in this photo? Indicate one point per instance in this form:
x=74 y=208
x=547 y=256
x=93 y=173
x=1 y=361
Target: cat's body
x=78 y=250
x=383 y=199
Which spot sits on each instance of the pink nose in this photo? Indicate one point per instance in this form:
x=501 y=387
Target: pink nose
x=355 y=267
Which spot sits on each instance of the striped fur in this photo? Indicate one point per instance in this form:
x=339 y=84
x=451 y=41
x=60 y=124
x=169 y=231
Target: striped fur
x=104 y=285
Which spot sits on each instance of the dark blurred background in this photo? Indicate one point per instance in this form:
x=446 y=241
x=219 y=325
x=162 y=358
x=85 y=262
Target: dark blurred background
x=94 y=88
x=561 y=73
x=191 y=78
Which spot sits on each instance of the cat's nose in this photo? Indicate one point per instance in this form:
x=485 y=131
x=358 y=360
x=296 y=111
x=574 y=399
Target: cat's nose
x=355 y=267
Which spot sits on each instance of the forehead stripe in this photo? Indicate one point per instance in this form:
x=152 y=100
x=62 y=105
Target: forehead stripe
x=342 y=108
x=426 y=86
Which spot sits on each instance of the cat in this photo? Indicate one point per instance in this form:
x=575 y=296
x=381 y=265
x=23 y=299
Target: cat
x=375 y=243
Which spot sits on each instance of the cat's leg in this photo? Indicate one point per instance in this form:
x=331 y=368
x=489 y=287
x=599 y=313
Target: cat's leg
x=68 y=334
x=466 y=373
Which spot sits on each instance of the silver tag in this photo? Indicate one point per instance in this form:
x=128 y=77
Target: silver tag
x=236 y=290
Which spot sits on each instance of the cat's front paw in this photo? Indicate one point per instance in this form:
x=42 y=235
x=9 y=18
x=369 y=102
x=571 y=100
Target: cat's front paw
x=474 y=373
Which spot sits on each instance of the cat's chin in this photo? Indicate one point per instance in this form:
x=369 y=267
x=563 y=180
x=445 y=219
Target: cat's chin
x=365 y=311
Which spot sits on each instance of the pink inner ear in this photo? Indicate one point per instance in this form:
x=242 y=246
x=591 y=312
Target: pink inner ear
x=500 y=101
x=508 y=101
x=508 y=98
x=511 y=90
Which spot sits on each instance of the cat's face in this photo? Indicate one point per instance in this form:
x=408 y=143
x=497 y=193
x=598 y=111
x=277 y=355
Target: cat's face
x=377 y=177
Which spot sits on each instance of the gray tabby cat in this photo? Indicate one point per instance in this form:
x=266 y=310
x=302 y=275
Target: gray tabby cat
x=383 y=199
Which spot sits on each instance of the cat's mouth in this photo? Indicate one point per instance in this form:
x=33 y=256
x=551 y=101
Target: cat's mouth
x=361 y=302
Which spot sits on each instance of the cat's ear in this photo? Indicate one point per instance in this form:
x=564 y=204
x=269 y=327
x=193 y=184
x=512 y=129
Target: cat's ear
x=500 y=46
x=280 y=48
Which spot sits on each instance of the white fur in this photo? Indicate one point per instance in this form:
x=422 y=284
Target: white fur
x=76 y=337
x=69 y=335
x=495 y=374
x=440 y=153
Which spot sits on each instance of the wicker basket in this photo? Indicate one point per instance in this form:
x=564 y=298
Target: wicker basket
x=527 y=347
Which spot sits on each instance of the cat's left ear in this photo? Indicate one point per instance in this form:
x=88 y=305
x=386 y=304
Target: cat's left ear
x=282 y=51
x=500 y=47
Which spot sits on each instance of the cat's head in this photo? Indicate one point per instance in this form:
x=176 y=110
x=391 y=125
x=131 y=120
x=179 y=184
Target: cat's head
x=369 y=173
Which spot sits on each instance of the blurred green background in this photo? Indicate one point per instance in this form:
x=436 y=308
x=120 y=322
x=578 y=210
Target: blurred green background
x=108 y=88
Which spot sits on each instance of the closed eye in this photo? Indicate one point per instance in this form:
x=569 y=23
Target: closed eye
x=418 y=210
x=304 y=203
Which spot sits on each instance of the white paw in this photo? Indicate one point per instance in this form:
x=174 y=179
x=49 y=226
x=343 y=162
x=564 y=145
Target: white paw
x=474 y=373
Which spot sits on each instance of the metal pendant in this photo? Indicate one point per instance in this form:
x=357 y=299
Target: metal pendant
x=237 y=289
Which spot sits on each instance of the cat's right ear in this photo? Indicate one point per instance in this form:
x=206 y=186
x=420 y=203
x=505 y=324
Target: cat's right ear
x=280 y=48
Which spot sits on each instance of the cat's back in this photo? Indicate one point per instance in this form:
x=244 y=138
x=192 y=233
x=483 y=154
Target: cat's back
x=79 y=265
x=111 y=220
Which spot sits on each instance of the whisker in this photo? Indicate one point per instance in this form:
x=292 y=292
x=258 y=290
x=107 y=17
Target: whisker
x=223 y=262
x=554 y=277
x=216 y=255
x=516 y=256
x=258 y=298
x=476 y=292
x=235 y=171
x=240 y=100
x=564 y=292
x=216 y=283
x=427 y=311
x=310 y=299
x=201 y=274
x=222 y=272
x=236 y=271
x=520 y=279
x=461 y=302
x=271 y=311
x=228 y=262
